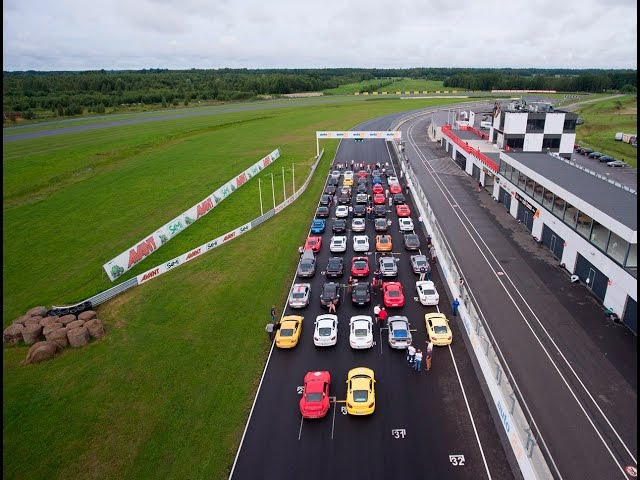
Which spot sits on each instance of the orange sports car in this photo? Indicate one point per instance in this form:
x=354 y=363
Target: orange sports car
x=383 y=243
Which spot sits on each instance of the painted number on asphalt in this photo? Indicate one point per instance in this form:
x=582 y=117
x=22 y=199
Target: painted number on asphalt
x=398 y=433
x=631 y=471
x=417 y=299
x=343 y=410
x=456 y=460
x=300 y=389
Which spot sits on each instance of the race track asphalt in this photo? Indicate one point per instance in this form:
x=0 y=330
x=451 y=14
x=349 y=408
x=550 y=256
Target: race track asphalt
x=439 y=418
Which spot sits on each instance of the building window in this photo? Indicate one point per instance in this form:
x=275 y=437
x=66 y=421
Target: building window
x=599 y=236
x=632 y=258
x=515 y=142
x=558 y=206
x=529 y=186
x=503 y=167
x=535 y=125
x=508 y=171
x=571 y=215
x=547 y=199
x=617 y=248
x=514 y=176
x=584 y=224
x=522 y=180
x=537 y=192
x=569 y=125
x=550 y=143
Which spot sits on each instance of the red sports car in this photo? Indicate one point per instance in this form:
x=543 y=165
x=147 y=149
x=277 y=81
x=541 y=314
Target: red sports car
x=362 y=174
x=393 y=296
x=395 y=188
x=360 y=266
x=403 y=210
x=379 y=199
x=377 y=188
x=315 y=397
x=313 y=243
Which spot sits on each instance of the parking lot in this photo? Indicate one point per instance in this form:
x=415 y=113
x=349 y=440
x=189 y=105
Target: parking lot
x=435 y=421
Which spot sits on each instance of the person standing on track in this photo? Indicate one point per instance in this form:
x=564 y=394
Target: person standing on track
x=411 y=354
x=455 y=305
x=423 y=272
x=376 y=311
x=269 y=330
x=382 y=317
x=418 y=360
x=273 y=312
x=332 y=306
x=432 y=252
x=429 y=353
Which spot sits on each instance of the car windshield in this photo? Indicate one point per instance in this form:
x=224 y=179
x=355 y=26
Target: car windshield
x=314 y=397
x=361 y=241
x=324 y=331
x=388 y=263
x=394 y=293
x=298 y=295
x=334 y=264
x=360 y=395
x=429 y=291
x=360 y=264
x=361 y=289
x=286 y=332
x=328 y=290
x=440 y=329
x=400 y=333
x=306 y=264
x=361 y=332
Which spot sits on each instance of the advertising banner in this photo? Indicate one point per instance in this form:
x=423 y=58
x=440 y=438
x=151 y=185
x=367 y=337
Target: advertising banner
x=384 y=134
x=145 y=247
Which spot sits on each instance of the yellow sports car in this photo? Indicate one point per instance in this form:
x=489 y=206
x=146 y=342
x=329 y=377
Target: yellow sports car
x=438 y=329
x=361 y=392
x=383 y=243
x=347 y=181
x=289 y=332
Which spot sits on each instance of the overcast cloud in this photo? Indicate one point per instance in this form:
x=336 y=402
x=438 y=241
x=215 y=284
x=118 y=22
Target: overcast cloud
x=182 y=34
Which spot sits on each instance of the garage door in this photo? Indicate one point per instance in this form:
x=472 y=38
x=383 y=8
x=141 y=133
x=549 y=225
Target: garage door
x=505 y=198
x=553 y=242
x=630 y=316
x=592 y=277
x=525 y=216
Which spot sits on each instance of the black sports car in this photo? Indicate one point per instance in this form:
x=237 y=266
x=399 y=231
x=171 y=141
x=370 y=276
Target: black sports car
x=361 y=293
x=335 y=267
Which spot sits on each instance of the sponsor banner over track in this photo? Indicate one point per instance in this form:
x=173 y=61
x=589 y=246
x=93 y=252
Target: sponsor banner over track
x=387 y=135
x=133 y=255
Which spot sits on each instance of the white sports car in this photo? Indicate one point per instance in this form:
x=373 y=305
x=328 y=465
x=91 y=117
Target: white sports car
x=399 y=332
x=361 y=332
x=299 y=296
x=427 y=293
x=342 y=211
x=338 y=243
x=392 y=180
x=406 y=224
x=326 y=331
x=360 y=243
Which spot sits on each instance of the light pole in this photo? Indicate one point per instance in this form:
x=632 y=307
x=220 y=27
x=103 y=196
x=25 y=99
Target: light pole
x=260 y=190
x=273 y=191
x=284 y=191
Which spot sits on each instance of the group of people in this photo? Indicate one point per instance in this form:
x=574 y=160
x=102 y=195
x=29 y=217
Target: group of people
x=415 y=356
x=362 y=166
x=273 y=326
x=381 y=315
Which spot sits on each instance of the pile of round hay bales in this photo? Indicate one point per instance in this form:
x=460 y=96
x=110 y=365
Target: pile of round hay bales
x=57 y=332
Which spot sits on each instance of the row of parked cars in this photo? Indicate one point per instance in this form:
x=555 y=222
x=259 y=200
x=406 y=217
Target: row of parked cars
x=601 y=157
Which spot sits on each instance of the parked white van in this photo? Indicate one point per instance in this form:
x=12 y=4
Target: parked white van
x=485 y=124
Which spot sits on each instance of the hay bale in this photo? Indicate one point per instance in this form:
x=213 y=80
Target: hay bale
x=33 y=321
x=31 y=334
x=49 y=320
x=75 y=324
x=78 y=337
x=59 y=336
x=21 y=319
x=50 y=328
x=37 y=312
x=67 y=319
x=13 y=334
x=41 y=351
x=95 y=327
x=88 y=315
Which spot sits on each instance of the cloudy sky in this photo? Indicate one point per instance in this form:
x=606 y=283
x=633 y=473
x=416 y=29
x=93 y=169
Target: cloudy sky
x=181 y=34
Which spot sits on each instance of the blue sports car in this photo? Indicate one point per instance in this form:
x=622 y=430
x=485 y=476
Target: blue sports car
x=318 y=225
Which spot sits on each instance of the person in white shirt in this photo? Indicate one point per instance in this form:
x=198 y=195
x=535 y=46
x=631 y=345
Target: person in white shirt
x=418 y=360
x=411 y=353
x=429 y=354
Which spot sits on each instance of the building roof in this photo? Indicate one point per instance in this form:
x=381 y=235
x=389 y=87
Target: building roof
x=618 y=203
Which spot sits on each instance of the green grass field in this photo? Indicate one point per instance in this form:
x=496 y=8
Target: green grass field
x=166 y=393
x=602 y=120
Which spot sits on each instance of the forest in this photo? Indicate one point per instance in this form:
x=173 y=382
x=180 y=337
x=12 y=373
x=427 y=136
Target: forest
x=31 y=94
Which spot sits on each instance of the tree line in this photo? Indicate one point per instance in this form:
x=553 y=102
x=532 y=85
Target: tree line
x=72 y=93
